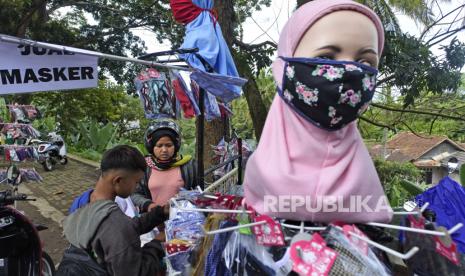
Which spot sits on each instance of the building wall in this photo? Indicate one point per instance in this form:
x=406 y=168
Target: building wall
x=440 y=173
x=441 y=148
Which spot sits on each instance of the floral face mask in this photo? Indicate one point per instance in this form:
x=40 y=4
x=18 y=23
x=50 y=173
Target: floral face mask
x=329 y=94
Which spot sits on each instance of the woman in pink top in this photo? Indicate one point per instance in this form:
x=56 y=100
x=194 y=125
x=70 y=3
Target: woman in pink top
x=168 y=171
x=311 y=163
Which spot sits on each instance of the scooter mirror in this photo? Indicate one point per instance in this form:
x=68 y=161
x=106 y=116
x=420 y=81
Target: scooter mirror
x=13 y=175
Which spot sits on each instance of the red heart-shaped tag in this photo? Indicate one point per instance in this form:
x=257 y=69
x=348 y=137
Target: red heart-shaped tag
x=269 y=233
x=312 y=257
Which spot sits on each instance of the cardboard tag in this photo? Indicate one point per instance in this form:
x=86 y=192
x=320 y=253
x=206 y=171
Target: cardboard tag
x=312 y=257
x=244 y=219
x=418 y=224
x=448 y=252
x=172 y=248
x=269 y=233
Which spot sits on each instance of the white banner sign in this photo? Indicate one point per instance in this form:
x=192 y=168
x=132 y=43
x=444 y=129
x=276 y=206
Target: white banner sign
x=25 y=69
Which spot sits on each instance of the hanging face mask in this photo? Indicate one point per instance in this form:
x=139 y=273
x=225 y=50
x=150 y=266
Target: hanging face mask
x=329 y=94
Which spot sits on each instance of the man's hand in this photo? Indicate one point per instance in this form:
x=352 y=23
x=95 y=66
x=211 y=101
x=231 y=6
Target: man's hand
x=151 y=206
x=166 y=208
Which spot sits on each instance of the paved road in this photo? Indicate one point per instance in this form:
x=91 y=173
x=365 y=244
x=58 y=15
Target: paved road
x=54 y=196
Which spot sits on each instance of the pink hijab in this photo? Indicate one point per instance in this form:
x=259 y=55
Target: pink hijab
x=297 y=161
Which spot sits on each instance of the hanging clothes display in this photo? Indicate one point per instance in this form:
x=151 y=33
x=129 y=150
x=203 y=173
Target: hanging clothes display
x=224 y=248
x=212 y=109
x=182 y=231
x=19 y=130
x=434 y=257
x=27 y=174
x=447 y=201
x=187 y=84
x=226 y=88
x=224 y=151
x=23 y=113
x=204 y=32
x=155 y=92
x=352 y=260
x=179 y=89
x=21 y=152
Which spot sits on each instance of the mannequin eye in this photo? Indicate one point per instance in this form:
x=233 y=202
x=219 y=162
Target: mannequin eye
x=365 y=62
x=326 y=56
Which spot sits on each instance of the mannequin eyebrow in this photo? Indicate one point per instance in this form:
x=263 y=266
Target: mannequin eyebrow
x=367 y=51
x=331 y=47
x=338 y=50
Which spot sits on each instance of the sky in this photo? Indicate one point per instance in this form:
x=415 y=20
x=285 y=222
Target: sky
x=267 y=23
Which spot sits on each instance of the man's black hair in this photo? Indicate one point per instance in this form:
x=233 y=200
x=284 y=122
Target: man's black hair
x=123 y=157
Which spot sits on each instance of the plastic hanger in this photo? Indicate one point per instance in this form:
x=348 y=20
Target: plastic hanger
x=416 y=230
x=388 y=250
x=302 y=227
x=203 y=193
x=203 y=210
x=229 y=229
x=405 y=256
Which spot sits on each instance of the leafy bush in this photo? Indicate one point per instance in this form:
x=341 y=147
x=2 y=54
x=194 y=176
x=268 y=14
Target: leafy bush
x=94 y=136
x=86 y=154
x=393 y=176
x=45 y=125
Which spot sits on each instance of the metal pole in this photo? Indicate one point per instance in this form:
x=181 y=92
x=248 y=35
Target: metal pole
x=32 y=43
x=239 y=166
x=200 y=132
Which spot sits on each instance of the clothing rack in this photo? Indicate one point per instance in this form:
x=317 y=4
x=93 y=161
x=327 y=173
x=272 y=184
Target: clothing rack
x=200 y=130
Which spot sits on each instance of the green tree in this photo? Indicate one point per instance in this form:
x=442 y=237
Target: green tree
x=108 y=103
x=391 y=174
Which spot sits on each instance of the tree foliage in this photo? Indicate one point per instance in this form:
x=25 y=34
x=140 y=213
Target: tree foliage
x=106 y=103
x=391 y=174
x=410 y=73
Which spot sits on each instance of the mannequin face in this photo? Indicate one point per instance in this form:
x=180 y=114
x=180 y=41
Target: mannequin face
x=342 y=35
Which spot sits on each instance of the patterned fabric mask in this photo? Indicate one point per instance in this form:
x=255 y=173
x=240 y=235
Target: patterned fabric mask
x=329 y=94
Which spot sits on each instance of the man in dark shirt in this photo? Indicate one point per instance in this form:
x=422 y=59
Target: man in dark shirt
x=101 y=228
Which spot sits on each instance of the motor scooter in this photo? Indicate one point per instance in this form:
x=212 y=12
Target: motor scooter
x=52 y=151
x=21 y=251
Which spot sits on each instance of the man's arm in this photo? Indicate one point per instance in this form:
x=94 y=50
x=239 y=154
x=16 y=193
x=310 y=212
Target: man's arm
x=152 y=219
x=141 y=196
x=137 y=261
x=117 y=243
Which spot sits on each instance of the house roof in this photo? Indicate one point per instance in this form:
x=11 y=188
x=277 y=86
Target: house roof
x=412 y=147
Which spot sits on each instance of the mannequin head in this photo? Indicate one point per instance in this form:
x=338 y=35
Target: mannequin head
x=321 y=23
x=342 y=35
